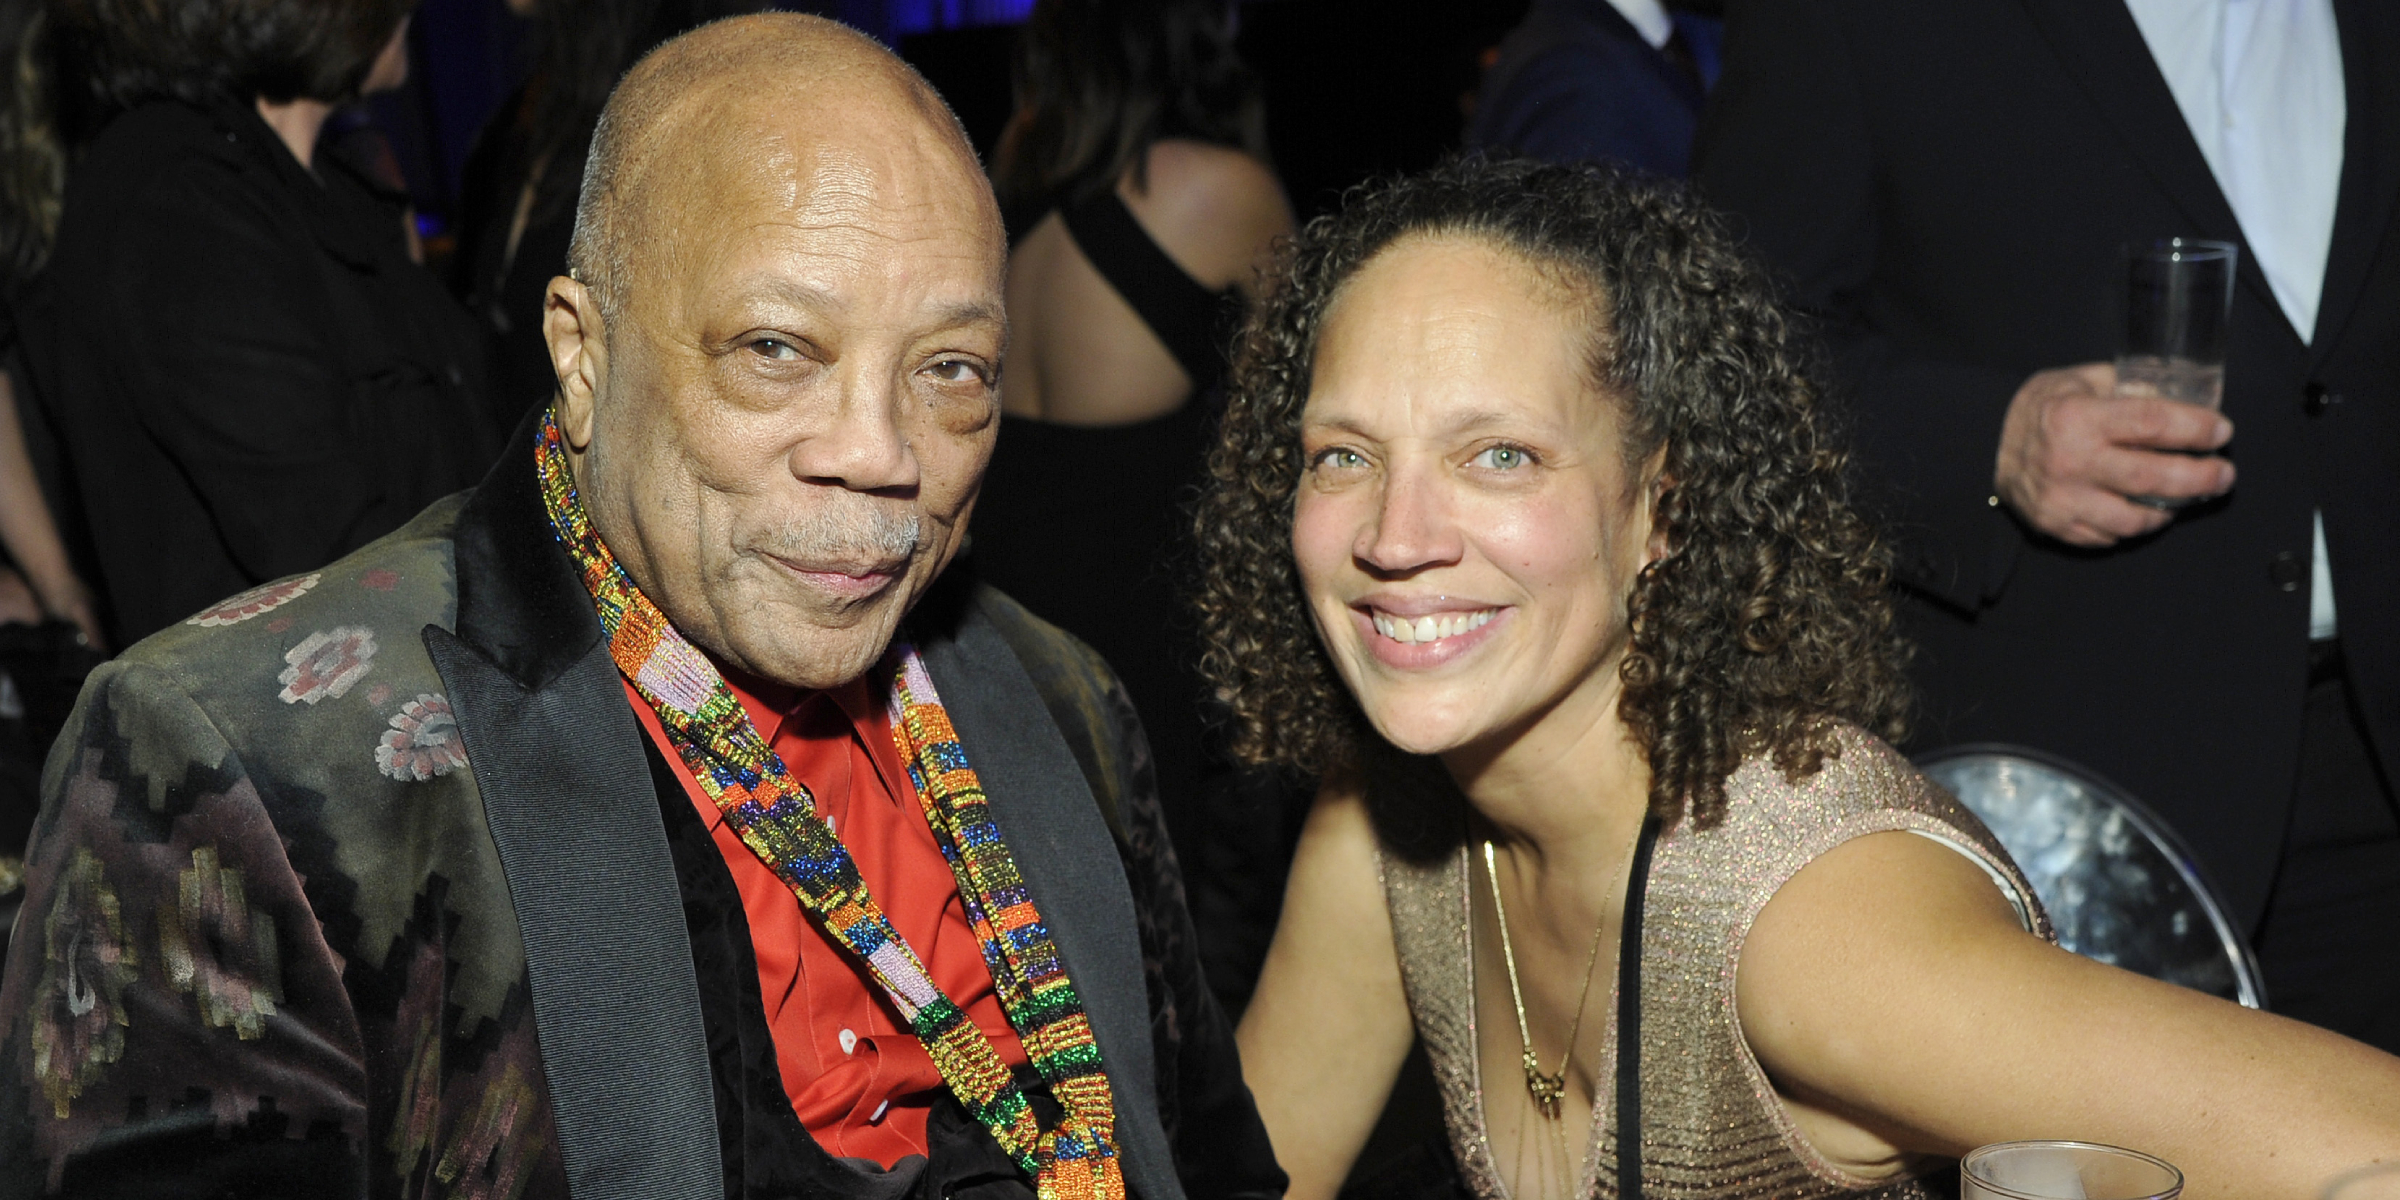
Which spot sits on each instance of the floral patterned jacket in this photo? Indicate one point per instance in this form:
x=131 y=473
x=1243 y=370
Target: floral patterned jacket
x=355 y=885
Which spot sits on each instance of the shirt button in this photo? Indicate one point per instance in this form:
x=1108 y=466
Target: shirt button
x=876 y=1117
x=2316 y=398
x=2286 y=570
x=849 y=1042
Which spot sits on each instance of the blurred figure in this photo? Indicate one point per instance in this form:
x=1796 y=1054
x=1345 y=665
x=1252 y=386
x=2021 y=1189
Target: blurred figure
x=253 y=377
x=518 y=190
x=1950 y=187
x=1140 y=205
x=43 y=117
x=1615 y=80
x=50 y=633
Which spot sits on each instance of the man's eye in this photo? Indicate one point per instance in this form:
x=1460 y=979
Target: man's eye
x=956 y=370
x=1501 y=458
x=775 y=348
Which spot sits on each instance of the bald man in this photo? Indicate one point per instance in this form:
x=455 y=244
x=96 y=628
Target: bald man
x=652 y=821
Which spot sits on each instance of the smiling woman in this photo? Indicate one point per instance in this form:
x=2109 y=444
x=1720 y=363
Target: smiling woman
x=1528 y=530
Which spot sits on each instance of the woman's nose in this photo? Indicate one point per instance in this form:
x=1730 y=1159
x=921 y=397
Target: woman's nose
x=1413 y=528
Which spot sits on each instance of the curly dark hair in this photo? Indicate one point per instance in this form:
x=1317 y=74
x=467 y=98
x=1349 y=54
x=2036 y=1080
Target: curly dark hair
x=1769 y=613
x=215 y=51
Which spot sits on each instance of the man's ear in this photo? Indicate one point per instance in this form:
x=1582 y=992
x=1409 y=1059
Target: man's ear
x=578 y=338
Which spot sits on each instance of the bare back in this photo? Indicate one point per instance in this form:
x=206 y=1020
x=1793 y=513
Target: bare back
x=1080 y=354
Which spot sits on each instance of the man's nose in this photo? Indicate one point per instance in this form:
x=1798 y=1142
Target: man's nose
x=863 y=442
x=1414 y=528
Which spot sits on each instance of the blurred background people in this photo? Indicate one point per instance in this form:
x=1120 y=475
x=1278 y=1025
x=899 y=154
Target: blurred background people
x=1140 y=203
x=252 y=375
x=50 y=630
x=1950 y=188
x=1599 y=80
x=517 y=201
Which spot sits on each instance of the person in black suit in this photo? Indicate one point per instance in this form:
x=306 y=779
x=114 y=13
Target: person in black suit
x=1949 y=186
x=252 y=375
x=1613 y=80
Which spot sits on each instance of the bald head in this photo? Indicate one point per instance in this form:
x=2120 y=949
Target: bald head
x=778 y=355
x=717 y=100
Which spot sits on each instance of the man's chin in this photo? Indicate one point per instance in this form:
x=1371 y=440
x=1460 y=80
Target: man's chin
x=800 y=646
x=817 y=663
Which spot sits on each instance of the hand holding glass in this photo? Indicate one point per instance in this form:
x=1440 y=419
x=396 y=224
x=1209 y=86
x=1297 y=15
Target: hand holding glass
x=2178 y=301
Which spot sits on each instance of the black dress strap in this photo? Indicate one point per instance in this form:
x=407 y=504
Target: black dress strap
x=1187 y=317
x=1629 y=1020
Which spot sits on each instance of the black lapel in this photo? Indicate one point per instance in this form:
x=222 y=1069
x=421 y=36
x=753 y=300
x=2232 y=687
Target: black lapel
x=1062 y=847
x=2104 y=52
x=558 y=758
x=2370 y=162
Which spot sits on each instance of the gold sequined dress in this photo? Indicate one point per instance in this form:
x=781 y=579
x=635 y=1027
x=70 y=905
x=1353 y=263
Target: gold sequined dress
x=1711 y=1123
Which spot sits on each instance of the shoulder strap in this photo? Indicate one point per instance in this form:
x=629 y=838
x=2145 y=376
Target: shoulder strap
x=1184 y=315
x=1629 y=1019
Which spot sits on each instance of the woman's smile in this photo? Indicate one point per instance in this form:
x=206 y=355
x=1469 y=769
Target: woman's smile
x=1407 y=634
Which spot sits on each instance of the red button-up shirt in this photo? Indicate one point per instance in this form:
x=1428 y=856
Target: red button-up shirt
x=859 y=1080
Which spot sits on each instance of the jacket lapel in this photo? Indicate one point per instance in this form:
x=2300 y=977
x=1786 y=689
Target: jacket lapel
x=1062 y=847
x=567 y=794
x=2370 y=162
x=2104 y=52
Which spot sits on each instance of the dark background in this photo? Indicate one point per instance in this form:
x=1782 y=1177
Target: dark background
x=1355 y=88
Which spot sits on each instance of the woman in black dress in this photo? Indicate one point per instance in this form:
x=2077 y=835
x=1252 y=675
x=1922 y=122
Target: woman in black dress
x=253 y=376
x=1140 y=205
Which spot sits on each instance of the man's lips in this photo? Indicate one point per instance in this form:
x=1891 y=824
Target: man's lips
x=844 y=579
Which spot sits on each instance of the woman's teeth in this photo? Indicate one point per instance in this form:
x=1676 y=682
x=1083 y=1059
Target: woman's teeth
x=1431 y=628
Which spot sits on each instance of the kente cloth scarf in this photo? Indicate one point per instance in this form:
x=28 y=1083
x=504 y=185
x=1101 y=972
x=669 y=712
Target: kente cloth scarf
x=776 y=817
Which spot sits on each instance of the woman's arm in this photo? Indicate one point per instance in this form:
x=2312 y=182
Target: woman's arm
x=29 y=532
x=1889 y=991
x=1328 y=1027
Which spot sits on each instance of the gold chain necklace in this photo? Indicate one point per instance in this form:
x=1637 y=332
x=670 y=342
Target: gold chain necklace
x=1549 y=1090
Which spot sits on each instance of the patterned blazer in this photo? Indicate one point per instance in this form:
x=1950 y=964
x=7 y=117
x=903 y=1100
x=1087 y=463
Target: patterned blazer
x=358 y=885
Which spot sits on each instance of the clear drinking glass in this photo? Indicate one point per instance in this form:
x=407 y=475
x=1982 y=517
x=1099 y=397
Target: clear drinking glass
x=2178 y=301
x=2065 y=1171
x=2367 y=1183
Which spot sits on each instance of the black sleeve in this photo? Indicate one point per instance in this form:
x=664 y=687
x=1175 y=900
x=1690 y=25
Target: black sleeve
x=1221 y=1147
x=1787 y=149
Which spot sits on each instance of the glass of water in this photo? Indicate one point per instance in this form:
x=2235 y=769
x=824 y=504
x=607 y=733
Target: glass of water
x=2065 y=1171
x=2367 y=1183
x=2178 y=301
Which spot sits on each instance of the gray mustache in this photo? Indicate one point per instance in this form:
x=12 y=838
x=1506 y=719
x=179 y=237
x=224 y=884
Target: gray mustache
x=872 y=535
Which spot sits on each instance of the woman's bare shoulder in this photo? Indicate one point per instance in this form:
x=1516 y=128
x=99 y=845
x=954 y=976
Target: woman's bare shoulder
x=1214 y=209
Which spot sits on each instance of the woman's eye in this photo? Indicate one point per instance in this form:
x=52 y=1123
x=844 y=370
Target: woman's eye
x=1501 y=458
x=1341 y=460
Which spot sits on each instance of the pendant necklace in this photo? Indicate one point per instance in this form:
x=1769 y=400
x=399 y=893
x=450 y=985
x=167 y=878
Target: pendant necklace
x=1548 y=1089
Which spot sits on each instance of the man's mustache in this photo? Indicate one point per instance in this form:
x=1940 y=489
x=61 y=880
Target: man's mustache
x=859 y=538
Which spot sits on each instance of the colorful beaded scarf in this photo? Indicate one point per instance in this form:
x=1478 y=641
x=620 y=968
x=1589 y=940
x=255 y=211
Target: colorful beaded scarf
x=776 y=817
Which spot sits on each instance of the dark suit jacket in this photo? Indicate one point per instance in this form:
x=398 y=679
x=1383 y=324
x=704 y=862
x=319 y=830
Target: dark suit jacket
x=1576 y=82
x=1948 y=185
x=368 y=884
x=250 y=377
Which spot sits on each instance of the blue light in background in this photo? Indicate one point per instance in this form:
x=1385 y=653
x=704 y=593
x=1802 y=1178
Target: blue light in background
x=922 y=16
